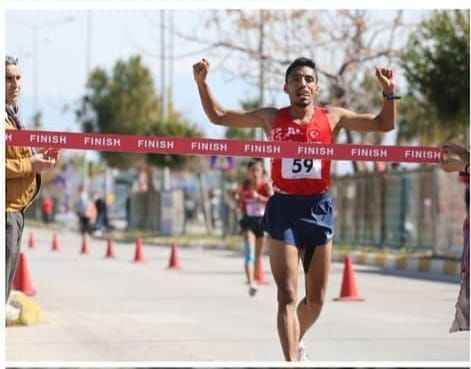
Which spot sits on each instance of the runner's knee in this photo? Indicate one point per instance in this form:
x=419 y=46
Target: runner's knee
x=315 y=299
x=287 y=295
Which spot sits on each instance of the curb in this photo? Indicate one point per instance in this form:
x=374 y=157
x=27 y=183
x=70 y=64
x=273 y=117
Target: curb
x=30 y=312
x=401 y=262
x=410 y=263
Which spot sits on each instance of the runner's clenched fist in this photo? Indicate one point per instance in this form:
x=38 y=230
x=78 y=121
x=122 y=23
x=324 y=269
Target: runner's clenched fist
x=200 y=70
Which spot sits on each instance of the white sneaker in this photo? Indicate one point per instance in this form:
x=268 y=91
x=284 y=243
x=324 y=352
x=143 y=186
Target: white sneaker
x=302 y=356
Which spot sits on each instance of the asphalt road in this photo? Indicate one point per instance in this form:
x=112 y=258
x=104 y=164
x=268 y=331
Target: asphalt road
x=98 y=310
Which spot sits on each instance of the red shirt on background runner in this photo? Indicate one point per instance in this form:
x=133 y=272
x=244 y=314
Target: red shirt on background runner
x=301 y=176
x=250 y=205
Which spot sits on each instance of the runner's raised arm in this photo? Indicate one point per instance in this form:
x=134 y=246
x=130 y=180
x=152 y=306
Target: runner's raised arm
x=260 y=118
x=382 y=122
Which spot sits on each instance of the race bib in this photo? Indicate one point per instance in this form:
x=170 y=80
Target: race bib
x=255 y=209
x=301 y=168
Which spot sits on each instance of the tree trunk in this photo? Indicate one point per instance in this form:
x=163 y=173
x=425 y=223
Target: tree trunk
x=150 y=177
x=355 y=167
x=205 y=204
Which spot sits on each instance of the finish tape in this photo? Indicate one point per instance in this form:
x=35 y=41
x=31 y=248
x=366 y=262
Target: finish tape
x=204 y=146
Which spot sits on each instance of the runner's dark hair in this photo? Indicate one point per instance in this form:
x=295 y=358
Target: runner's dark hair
x=301 y=62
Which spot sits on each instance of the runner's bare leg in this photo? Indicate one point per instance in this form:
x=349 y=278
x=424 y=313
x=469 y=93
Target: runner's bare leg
x=259 y=243
x=310 y=307
x=249 y=267
x=284 y=261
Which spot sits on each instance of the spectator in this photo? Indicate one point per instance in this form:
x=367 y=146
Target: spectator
x=47 y=209
x=23 y=168
x=456 y=159
x=86 y=212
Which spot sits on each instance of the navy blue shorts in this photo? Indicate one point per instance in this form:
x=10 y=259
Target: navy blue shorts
x=303 y=221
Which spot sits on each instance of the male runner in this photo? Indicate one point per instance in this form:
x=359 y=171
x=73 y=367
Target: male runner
x=253 y=197
x=299 y=217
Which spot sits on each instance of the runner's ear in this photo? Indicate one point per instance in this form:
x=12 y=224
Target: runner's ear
x=285 y=88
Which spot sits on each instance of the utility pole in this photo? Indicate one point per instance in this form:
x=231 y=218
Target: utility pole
x=35 y=28
x=89 y=42
x=162 y=66
x=35 y=69
x=171 y=59
x=261 y=81
x=88 y=58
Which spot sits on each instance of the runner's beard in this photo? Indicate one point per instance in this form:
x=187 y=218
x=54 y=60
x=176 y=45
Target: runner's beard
x=304 y=103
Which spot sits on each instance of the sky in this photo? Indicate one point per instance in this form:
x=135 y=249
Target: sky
x=114 y=34
x=62 y=60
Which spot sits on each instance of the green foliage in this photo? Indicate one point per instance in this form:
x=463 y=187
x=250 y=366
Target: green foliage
x=240 y=133
x=126 y=102
x=176 y=127
x=436 y=65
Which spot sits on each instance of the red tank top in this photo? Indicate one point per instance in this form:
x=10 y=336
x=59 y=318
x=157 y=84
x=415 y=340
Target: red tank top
x=251 y=206
x=301 y=176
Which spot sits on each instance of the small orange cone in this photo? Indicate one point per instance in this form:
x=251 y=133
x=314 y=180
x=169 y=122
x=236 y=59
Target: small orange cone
x=22 y=280
x=138 y=253
x=260 y=272
x=55 y=243
x=31 y=241
x=109 y=249
x=84 y=249
x=348 y=291
x=174 y=261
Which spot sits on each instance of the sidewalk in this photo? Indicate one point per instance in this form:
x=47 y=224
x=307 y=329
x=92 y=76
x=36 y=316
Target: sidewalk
x=386 y=259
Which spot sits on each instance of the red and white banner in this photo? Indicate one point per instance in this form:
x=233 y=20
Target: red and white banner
x=203 y=146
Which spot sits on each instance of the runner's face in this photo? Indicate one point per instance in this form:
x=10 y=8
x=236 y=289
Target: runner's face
x=256 y=172
x=301 y=86
x=12 y=84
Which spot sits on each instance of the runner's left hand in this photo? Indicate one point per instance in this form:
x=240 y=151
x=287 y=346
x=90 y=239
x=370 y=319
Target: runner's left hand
x=454 y=149
x=386 y=80
x=451 y=160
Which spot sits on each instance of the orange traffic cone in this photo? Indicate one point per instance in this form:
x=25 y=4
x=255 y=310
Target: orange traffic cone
x=109 y=249
x=138 y=253
x=55 y=243
x=349 y=289
x=84 y=249
x=31 y=241
x=260 y=272
x=22 y=280
x=174 y=261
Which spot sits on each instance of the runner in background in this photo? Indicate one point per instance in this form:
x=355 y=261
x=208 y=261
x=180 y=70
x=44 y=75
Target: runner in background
x=253 y=196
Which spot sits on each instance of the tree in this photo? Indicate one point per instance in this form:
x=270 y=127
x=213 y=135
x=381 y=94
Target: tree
x=126 y=102
x=38 y=120
x=173 y=126
x=436 y=65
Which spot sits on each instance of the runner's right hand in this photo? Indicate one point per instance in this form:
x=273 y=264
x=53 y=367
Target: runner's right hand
x=200 y=70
